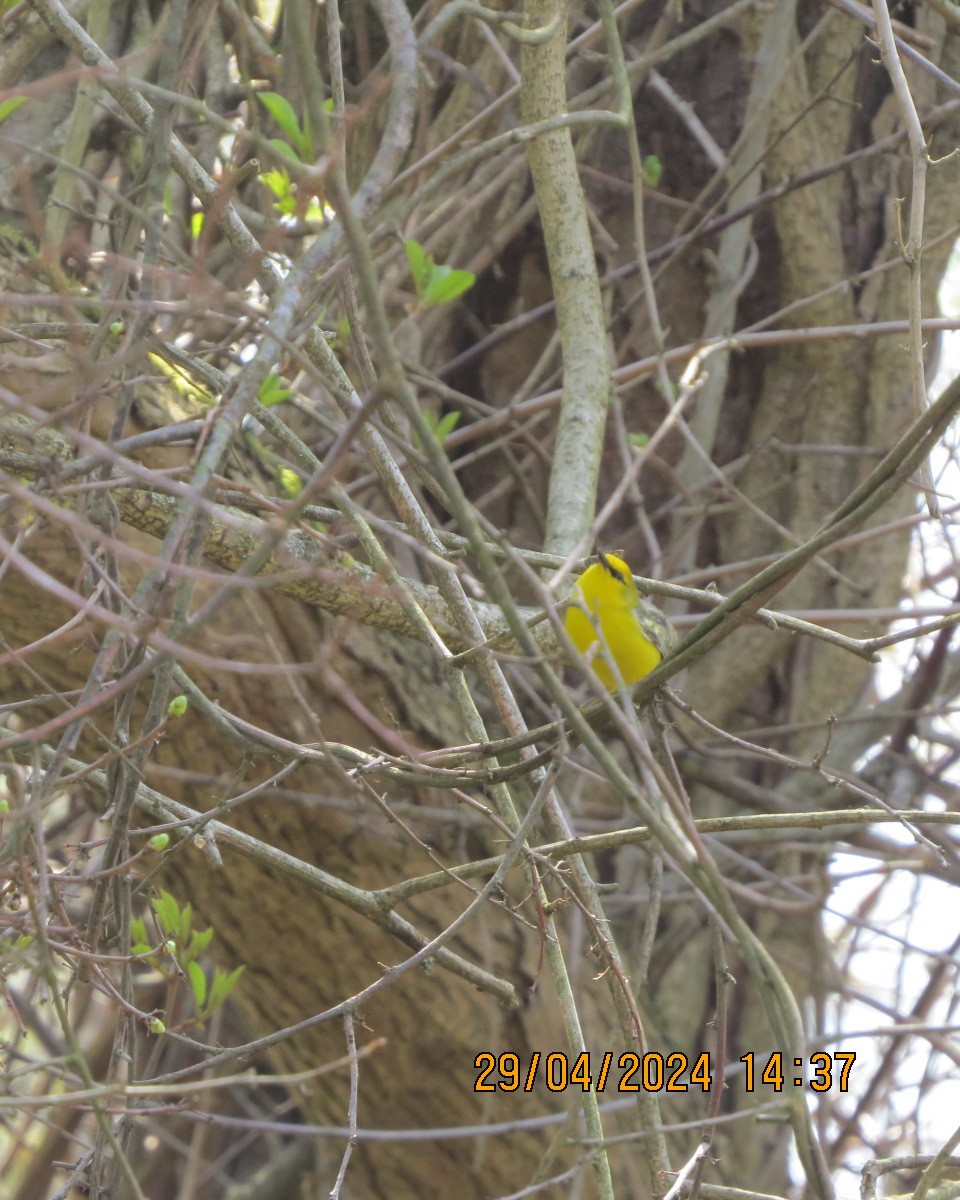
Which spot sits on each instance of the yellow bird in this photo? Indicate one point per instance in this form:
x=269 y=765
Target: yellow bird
x=606 y=605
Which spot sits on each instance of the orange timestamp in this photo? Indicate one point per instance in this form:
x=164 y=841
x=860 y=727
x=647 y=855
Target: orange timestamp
x=627 y=1072
x=826 y=1071
x=653 y=1072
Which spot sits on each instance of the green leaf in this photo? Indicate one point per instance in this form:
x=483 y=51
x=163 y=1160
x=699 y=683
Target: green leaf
x=155 y=1025
x=4 y=804
x=446 y=425
x=199 y=941
x=177 y=706
x=24 y=941
x=284 y=150
x=289 y=482
x=9 y=106
x=138 y=933
x=167 y=911
x=317 y=212
x=280 y=108
x=279 y=184
x=421 y=266
x=196 y=225
x=277 y=181
x=442 y=427
x=159 y=842
x=222 y=986
x=272 y=391
x=140 y=948
x=198 y=982
x=180 y=381
x=652 y=170
x=640 y=440
x=186 y=920
x=447 y=284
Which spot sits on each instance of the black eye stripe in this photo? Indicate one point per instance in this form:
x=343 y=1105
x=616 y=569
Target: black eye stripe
x=610 y=568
